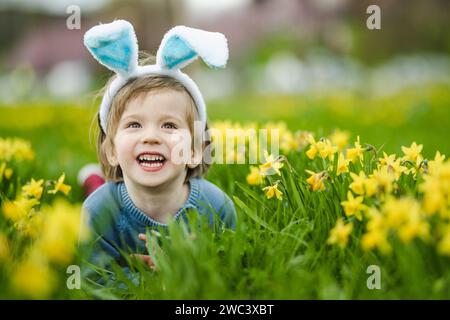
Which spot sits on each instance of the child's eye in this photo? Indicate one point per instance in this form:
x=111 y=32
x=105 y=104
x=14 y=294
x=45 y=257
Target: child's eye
x=169 y=125
x=133 y=125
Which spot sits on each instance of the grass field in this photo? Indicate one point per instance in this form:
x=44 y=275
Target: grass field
x=314 y=241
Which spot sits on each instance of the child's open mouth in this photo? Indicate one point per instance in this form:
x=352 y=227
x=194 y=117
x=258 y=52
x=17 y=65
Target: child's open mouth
x=151 y=162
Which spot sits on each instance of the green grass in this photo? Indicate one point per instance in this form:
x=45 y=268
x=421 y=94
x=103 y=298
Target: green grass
x=279 y=249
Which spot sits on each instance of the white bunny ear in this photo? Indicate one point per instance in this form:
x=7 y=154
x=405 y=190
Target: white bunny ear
x=181 y=45
x=114 y=45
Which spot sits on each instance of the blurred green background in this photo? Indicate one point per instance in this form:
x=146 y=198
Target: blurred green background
x=313 y=64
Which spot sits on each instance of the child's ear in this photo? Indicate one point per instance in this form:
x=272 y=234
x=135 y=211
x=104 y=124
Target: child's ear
x=111 y=156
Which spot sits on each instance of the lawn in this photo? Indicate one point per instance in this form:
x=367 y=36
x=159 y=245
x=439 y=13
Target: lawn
x=300 y=235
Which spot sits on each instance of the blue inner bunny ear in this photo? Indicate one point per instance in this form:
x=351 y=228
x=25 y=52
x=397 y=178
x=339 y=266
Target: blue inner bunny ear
x=176 y=51
x=115 y=54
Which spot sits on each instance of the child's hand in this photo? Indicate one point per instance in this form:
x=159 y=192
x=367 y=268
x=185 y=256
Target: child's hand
x=144 y=257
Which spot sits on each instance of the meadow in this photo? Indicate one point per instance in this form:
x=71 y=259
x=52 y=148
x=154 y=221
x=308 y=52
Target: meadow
x=361 y=181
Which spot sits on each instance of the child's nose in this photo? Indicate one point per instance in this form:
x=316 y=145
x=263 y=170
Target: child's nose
x=151 y=135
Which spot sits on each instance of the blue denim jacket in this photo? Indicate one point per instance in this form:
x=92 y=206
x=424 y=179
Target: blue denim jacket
x=116 y=221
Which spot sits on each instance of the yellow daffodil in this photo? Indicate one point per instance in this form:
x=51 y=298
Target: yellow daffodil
x=323 y=147
x=355 y=153
x=254 y=177
x=32 y=226
x=405 y=216
x=370 y=186
x=414 y=228
x=436 y=187
x=384 y=178
x=8 y=173
x=18 y=209
x=397 y=211
x=377 y=233
x=412 y=152
x=357 y=186
x=393 y=165
x=5 y=172
x=15 y=149
x=340 y=233
x=60 y=186
x=327 y=149
x=397 y=168
x=316 y=180
x=387 y=159
x=342 y=165
x=303 y=138
x=417 y=167
x=61 y=230
x=288 y=142
x=340 y=139
x=434 y=202
x=33 y=278
x=353 y=206
x=5 y=251
x=33 y=188
x=2 y=169
x=272 y=191
x=313 y=148
x=444 y=243
x=436 y=163
x=376 y=238
x=272 y=165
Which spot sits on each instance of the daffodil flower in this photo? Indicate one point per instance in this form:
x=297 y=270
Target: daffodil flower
x=412 y=152
x=342 y=164
x=444 y=244
x=340 y=233
x=18 y=209
x=254 y=177
x=15 y=149
x=33 y=188
x=356 y=152
x=353 y=206
x=5 y=248
x=327 y=149
x=60 y=186
x=8 y=173
x=303 y=138
x=377 y=233
x=271 y=165
x=272 y=191
x=436 y=163
x=316 y=180
x=34 y=277
x=384 y=178
x=4 y=171
x=357 y=186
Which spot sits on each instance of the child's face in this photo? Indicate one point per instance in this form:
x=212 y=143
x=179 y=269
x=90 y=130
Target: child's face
x=153 y=123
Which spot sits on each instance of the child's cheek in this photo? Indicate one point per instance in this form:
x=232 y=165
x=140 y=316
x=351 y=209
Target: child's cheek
x=180 y=146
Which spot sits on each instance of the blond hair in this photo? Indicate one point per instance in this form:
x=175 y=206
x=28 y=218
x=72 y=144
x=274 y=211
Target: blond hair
x=134 y=88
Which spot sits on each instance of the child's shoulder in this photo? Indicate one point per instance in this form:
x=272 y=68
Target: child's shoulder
x=211 y=195
x=103 y=199
x=210 y=190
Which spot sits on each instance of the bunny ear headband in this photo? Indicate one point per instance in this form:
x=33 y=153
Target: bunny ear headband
x=115 y=46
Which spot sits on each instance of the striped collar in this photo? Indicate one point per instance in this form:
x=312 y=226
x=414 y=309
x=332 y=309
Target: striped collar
x=128 y=205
